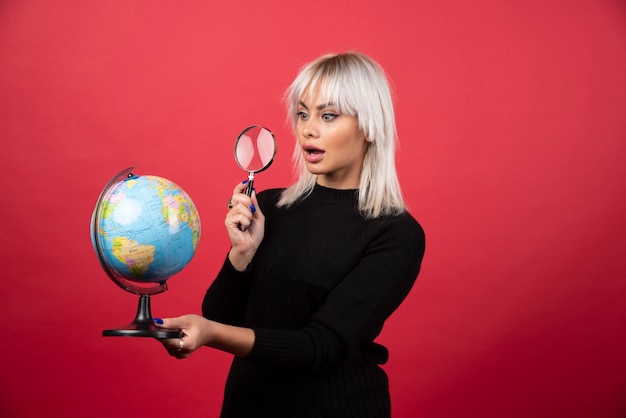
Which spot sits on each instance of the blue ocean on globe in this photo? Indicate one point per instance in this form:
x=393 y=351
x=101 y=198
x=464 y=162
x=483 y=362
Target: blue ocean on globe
x=147 y=229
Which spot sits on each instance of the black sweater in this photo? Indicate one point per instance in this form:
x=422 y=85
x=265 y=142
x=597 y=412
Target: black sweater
x=316 y=294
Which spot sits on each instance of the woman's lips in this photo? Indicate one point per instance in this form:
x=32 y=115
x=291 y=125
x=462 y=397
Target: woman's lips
x=312 y=154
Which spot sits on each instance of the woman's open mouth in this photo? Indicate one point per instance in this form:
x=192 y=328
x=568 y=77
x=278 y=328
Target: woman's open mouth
x=312 y=154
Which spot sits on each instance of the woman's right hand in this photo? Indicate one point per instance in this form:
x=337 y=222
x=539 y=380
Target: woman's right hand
x=245 y=225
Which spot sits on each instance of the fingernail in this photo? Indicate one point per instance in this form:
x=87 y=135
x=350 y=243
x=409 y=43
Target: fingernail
x=252 y=208
x=245 y=181
x=158 y=321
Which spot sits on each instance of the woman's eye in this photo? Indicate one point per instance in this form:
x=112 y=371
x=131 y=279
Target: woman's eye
x=329 y=116
x=302 y=115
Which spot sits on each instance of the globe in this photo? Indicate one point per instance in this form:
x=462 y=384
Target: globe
x=144 y=230
x=148 y=229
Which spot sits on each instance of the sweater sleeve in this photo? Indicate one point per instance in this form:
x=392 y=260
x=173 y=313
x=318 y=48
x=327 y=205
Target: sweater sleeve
x=355 y=310
x=225 y=300
x=358 y=307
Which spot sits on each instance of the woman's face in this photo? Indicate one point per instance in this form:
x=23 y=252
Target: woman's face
x=331 y=143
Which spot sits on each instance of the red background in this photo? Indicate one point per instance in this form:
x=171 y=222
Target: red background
x=512 y=123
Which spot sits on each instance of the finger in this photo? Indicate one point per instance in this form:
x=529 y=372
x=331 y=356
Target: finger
x=249 y=206
x=241 y=205
x=255 y=208
x=176 y=347
x=239 y=200
x=180 y=344
x=168 y=322
x=179 y=324
x=240 y=188
x=239 y=220
x=237 y=204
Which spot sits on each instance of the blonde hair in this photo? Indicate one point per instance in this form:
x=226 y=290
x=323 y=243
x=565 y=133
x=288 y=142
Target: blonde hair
x=358 y=86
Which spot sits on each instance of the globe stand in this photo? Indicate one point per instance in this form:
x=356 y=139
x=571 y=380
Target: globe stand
x=143 y=325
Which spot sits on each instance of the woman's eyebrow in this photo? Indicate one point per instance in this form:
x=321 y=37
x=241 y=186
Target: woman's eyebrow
x=320 y=107
x=325 y=105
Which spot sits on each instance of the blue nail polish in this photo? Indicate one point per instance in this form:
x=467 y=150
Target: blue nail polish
x=252 y=208
x=158 y=321
x=245 y=181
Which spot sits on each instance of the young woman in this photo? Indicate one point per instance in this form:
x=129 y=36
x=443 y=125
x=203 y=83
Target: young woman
x=314 y=270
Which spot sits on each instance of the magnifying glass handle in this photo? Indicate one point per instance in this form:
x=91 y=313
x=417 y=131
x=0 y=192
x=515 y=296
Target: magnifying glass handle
x=249 y=188
x=250 y=184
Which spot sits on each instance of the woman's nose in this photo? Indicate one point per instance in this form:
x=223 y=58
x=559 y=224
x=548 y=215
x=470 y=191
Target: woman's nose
x=309 y=129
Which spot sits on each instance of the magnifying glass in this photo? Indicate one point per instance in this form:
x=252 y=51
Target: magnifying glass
x=255 y=149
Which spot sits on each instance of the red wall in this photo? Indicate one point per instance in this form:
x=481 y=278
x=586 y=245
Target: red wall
x=512 y=123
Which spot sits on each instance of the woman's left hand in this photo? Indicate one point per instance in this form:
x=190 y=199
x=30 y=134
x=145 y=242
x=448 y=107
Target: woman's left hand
x=199 y=331
x=196 y=333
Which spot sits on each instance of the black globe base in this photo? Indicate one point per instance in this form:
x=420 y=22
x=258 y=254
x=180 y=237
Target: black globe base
x=137 y=330
x=143 y=325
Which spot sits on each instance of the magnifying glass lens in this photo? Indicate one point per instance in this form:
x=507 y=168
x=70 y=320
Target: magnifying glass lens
x=255 y=149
